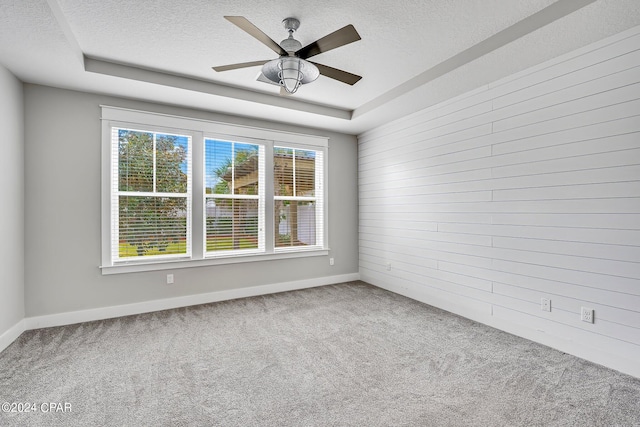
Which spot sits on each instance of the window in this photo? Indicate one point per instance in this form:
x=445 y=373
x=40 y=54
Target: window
x=297 y=197
x=234 y=192
x=151 y=194
x=180 y=192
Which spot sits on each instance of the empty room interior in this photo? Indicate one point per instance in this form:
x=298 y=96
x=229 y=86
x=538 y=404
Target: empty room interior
x=341 y=213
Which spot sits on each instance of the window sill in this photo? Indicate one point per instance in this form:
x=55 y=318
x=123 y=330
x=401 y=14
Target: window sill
x=138 y=266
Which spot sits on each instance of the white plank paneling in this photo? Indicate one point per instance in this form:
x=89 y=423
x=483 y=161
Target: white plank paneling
x=620 y=302
x=570 y=121
x=606 y=190
x=370 y=180
x=571 y=305
x=460 y=140
x=408 y=233
x=563 y=247
x=434 y=185
x=538 y=113
x=615 y=65
x=404 y=248
x=553 y=234
x=623 y=285
x=543 y=163
x=437 y=125
x=604 y=222
x=525 y=188
x=578 y=330
x=594 y=92
x=601 y=52
x=590 y=131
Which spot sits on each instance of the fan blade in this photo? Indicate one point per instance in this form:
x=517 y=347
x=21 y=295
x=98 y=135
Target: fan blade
x=341 y=37
x=241 y=65
x=244 y=24
x=334 y=73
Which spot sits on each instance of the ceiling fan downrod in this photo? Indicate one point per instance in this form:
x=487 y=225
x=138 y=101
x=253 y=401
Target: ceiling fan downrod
x=290 y=44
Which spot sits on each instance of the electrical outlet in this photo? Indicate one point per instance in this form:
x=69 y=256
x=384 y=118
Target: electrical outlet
x=388 y=266
x=331 y=261
x=169 y=279
x=545 y=304
x=586 y=314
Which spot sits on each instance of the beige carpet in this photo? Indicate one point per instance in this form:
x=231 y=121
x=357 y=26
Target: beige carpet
x=343 y=355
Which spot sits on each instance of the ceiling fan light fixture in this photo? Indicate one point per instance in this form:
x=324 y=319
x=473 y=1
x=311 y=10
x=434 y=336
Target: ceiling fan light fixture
x=290 y=72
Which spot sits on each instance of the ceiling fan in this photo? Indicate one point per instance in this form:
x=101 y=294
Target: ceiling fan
x=292 y=69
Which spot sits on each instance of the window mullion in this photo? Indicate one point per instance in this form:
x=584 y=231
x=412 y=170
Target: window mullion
x=154 y=162
x=233 y=196
x=198 y=230
x=269 y=205
x=297 y=198
x=151 y=194
x=233 y=168
x=115 y=194
x=293 y=168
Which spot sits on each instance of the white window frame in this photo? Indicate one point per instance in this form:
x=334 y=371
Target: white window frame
x=198 y=130
x=319 y=199
x=116 y=192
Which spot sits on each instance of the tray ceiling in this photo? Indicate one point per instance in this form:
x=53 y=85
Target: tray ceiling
x=413 y=54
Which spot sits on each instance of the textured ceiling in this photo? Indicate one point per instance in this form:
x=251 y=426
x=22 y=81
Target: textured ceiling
x=412 y=53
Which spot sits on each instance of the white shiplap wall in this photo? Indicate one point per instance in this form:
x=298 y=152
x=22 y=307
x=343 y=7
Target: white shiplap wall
x=523 y=189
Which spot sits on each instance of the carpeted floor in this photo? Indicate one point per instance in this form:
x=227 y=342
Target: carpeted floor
x=342 y=355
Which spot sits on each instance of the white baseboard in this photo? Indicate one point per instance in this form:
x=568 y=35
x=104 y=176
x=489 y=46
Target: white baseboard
x=101 y=313
x=595 y=355
x=612 y=361
x=12 y=334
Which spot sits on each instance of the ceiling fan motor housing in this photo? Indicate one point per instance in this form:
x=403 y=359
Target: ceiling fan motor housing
x=290 y=45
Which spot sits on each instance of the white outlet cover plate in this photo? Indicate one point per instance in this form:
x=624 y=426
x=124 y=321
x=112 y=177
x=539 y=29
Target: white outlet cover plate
x=545 y=304
x=586 y=314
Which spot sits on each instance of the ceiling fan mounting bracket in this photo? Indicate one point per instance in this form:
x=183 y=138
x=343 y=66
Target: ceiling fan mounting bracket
x=291 y=24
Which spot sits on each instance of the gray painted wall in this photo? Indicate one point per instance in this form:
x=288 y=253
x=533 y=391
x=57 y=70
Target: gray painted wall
x=62 y=200
x=11 y=194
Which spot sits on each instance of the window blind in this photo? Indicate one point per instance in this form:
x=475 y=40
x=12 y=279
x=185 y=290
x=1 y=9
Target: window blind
x=234 y=187
x=150 y=194
x=298 y=198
